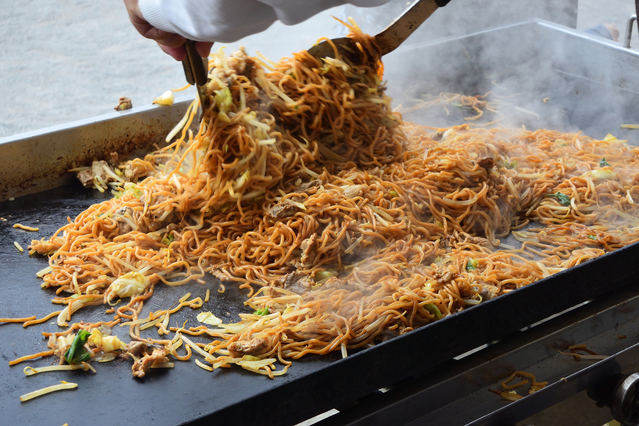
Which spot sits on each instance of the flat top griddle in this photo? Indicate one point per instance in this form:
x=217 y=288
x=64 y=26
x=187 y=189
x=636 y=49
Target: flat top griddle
x=188 y=394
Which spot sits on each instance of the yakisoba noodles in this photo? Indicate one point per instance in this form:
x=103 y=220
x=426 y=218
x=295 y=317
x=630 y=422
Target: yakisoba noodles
x=346 y=225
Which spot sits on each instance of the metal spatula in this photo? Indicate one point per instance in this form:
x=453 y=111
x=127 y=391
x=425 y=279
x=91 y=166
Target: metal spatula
x=196 y=71
x=389 y=38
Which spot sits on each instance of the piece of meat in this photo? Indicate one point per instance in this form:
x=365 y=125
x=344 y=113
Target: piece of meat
x=114 y=159
x=124 y=103
x=137 y=169
x=219 y=271
x=444 y=276
x=98 y=169
x=309 y=187
x=486 y=162
x=308 y=252
x=283 y=209
x=141 y=366
x=137 y=348
x=158 y=218
x=86 y=178
x=296 y=282
x=447 y=242
x=248 y=347
x=288 y=207
x=483 y=242
x=302 y=285
x=131 y=172
x=290 y=279
x=237 y=63
x=453 y=241
x=487 y=293
x=119 y=215
x=437 y=136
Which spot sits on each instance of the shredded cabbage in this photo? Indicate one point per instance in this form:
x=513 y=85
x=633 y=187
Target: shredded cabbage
x=129 y=285
x=208 y=318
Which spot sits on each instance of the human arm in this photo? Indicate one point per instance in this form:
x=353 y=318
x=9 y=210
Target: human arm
x=170 y=42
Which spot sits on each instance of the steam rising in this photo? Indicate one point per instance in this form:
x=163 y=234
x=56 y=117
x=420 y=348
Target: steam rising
x=552 y=78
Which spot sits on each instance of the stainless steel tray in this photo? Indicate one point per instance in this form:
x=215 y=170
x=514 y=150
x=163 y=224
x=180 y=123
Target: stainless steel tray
x=40 y=160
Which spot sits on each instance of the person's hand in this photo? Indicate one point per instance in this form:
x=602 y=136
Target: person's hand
x=172 y=44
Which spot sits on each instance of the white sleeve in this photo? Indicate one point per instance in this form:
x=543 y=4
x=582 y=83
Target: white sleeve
x=209 y=20
x=227 y=21
x=291 y=12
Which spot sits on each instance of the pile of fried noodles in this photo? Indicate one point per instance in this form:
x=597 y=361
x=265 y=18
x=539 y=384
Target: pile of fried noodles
x=344 y=225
